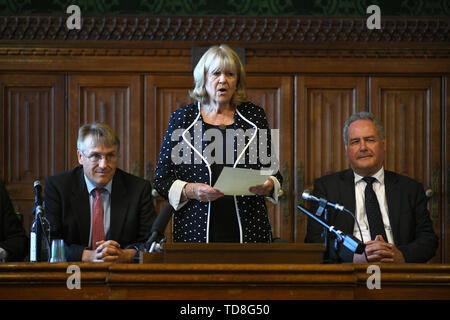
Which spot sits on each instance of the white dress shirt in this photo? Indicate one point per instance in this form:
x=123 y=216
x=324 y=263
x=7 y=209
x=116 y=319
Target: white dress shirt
x=3 y=255
x=379 y=188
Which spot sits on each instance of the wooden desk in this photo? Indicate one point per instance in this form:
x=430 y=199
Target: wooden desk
x=211 y=281
x=49 y=281
x=237 y=253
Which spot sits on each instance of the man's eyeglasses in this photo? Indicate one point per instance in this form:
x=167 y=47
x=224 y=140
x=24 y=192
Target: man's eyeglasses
x=96 y=157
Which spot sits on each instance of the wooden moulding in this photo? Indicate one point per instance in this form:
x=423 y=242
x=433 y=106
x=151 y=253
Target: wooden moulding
x=48 y=281
x=214 y=281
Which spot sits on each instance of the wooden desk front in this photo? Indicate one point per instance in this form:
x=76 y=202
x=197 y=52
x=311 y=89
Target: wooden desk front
x=166 y=281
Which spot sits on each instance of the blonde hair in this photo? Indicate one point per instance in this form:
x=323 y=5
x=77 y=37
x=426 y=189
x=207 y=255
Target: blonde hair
x=219 y=58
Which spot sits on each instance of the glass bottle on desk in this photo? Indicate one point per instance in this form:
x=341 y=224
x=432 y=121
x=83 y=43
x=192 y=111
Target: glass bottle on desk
x=40 y=237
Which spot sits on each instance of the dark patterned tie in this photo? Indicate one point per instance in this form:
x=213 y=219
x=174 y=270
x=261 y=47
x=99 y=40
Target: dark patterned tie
x=98 y=230
x=373 y=212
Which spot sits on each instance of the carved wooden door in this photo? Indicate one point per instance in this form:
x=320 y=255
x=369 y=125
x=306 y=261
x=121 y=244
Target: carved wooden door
x=324 y=103
x=410 y=109
x=114 y=99
x=32 y=135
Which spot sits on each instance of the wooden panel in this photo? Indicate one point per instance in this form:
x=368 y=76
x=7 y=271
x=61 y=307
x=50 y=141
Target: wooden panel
x=410 y=109
x=446 y=184
x=114 y=99
x=275 y=95
x=237 y=253
x=344 y=60
x=217 y=281
x=50 y=281
x=324 y=104
x=32 y=135
x=404 y=281
x=165 y=94
x=446 y=166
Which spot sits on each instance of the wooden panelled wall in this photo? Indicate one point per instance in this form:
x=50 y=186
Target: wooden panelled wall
x=308 y=80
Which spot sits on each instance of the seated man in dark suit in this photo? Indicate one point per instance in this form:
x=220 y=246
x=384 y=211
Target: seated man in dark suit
x=391 y=208
x=101 y=212
x=13 y=240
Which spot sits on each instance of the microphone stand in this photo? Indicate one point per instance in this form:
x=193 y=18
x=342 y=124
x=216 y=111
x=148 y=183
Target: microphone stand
x=157 y=246
x=342 y=241
x=150 y=246
x=322 y=210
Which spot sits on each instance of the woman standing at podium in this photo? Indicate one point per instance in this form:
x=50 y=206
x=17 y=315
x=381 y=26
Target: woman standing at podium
x=220 y=129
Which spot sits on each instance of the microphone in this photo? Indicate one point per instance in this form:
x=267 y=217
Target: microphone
x=323 y=203
x=348 y=241
x=159 y=225
x=40 y=229
x=307 y=196
x=37 y=193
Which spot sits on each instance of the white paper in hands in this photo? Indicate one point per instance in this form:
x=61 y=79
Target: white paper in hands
x=237 y=181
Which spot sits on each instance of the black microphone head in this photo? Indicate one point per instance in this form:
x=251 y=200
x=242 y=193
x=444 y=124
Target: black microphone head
x=162 y=220
x=37 y=193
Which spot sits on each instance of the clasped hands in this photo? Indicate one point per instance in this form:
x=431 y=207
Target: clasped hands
x=108 y=251
x=204 y=192
x=379 y=250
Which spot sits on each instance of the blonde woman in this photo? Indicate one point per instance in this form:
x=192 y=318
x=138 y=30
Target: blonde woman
x=220 y=129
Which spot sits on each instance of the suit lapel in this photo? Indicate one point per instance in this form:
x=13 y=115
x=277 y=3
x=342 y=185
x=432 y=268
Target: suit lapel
x=393 y=192
x=80 y=205
x=119 y=206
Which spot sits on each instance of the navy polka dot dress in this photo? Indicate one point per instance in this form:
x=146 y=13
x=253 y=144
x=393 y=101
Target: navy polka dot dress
x=179 y=161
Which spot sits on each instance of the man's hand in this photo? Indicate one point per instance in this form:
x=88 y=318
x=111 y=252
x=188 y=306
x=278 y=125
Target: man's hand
x=108 y=251
x=379 y=250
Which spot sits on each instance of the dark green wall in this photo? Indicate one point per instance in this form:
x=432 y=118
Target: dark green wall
x=332 y=8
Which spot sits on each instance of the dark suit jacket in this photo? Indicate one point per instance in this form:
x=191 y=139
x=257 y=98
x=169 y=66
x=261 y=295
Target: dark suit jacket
x=410 y=220
x=12 y=234
x=67 y=209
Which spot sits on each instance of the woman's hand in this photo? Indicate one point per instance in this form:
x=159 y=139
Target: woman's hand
x=202 y=192
x=265 y=189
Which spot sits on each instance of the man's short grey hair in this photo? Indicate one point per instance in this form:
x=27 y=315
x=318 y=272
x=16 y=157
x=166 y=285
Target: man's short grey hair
x=363 y=115
x=101 y=134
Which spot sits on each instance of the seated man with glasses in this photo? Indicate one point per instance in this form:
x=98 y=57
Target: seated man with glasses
x=101 y=212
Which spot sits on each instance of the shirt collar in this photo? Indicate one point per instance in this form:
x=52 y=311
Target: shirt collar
x=379 y=176
x=91 y=186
